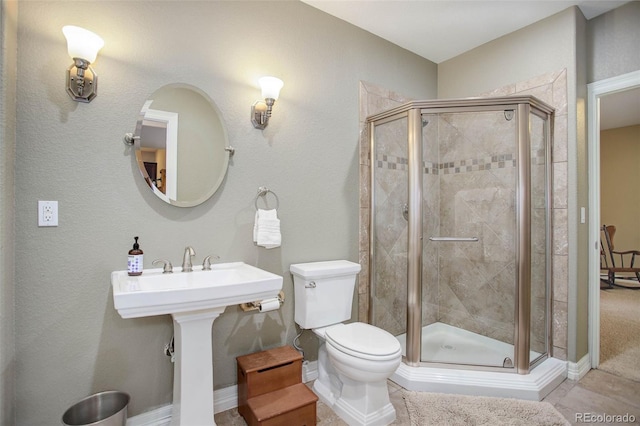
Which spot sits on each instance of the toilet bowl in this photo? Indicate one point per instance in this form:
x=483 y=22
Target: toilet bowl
x=363 y=352
x=355 y=359
x=363 y=371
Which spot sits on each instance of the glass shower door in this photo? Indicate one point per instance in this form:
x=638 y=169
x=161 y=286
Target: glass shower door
x=469 y=240
x=389 y=165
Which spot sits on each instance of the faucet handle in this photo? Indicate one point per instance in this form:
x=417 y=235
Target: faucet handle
x=167 y=266
x=206 y=263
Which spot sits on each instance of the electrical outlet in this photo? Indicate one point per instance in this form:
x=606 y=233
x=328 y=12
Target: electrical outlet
x=47 y=213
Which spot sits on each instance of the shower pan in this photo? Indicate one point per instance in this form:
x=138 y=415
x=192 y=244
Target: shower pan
x=460 y=244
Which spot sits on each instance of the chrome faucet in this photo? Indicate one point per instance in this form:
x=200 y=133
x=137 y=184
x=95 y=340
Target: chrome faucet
x=187 y=266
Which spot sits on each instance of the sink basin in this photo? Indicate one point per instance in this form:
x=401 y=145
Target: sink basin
x=155 y=293
x=194 y=300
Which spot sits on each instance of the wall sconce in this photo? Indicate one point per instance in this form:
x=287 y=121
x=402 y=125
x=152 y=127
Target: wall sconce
x=83 y=47
x=261 y=110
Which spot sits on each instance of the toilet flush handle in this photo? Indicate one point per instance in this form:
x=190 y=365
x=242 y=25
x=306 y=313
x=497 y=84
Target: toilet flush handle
x=312 y=284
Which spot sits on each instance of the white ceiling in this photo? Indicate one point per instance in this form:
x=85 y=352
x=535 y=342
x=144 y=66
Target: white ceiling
x=439 y=30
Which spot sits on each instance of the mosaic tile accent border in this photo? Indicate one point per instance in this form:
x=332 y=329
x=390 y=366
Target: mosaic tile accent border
x=391 y=162
x=430 y=168
x=475 y=164
x=502 y=161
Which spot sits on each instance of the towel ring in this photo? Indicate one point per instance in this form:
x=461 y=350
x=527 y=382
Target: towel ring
x=262 y=192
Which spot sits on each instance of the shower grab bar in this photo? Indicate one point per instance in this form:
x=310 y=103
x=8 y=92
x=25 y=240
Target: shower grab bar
x=459 y=239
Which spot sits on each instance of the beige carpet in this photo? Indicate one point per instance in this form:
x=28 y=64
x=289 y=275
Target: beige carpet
x=426 y=408
x=620 y=332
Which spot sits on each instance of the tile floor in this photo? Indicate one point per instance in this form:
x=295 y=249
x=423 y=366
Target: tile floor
x=597 y=393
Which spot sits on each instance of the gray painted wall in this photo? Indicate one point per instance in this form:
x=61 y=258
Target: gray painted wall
x=545 y=46
x=70 y=342
x=8 y=17
x=612 y=43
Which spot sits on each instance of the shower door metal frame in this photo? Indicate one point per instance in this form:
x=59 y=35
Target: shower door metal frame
x=522 y=336
x=412 y=111
x=414 y=239
x=546 y=113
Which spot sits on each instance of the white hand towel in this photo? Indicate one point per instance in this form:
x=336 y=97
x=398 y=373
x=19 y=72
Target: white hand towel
x=266 y=229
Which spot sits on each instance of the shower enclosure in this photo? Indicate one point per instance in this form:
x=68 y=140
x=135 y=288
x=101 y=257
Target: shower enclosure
x=460 y=240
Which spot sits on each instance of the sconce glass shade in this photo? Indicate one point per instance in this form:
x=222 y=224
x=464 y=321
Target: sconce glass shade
x=83 y=47
x=82 y=43
x=261 y=109
x=270 y=87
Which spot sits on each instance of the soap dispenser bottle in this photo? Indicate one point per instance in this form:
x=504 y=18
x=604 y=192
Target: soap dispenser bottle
x=134 y=262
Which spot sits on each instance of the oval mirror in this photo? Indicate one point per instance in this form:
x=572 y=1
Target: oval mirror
x=181 y=145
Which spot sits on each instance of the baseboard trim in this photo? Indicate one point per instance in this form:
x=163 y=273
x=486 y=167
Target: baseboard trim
x=158 y=417
x=577 y=370
x=224 y=399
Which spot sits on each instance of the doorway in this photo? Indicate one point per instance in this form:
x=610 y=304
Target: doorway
x=596 y=91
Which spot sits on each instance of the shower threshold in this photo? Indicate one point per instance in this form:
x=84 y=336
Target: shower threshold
x=442 y=343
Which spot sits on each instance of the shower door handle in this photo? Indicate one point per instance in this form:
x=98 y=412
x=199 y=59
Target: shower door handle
x=455 y=239
x=405 y=211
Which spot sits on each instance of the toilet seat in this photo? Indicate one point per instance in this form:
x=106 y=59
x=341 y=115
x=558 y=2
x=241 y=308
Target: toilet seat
x=363 y=341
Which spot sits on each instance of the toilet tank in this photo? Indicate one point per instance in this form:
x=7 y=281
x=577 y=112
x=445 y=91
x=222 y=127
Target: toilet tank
x=323 y=292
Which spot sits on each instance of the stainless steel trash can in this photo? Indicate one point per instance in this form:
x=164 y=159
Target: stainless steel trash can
x=107 y=408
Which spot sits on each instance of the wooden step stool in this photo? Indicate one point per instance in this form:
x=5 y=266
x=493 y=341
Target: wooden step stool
x=270 y=389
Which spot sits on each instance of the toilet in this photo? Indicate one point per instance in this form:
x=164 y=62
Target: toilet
x=355 y=359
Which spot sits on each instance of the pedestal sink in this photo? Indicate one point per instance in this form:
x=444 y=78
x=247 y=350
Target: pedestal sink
x=194 y=300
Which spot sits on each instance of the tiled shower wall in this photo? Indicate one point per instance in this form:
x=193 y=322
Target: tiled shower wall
x=484 y=306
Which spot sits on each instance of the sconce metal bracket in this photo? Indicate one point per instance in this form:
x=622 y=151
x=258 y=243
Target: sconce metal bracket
x=261 y=112
x=259 y=115
x=82 y=81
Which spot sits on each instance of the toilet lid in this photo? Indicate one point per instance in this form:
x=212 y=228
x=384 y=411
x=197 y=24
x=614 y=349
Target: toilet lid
x=364 y=339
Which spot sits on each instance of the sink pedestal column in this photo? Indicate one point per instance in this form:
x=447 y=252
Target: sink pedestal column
x=193 y=369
